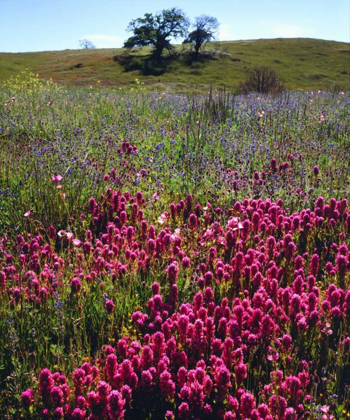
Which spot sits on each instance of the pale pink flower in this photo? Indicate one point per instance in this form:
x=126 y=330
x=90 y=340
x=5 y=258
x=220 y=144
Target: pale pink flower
x=162 y=218
x=234 y=224
x=56 y=179
x=64 y=233
x=324 y=409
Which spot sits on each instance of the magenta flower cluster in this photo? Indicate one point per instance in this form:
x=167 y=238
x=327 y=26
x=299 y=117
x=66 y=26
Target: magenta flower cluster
x=266 y=286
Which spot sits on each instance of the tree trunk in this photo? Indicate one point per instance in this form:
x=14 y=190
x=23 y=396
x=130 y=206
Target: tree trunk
x=158 y=50
x=196 y=50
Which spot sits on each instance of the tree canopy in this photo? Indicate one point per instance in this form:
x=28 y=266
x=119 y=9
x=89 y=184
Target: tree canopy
x=157 y=30
x=205 y=29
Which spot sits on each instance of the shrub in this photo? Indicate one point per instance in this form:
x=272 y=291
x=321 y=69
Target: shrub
x=262 y=79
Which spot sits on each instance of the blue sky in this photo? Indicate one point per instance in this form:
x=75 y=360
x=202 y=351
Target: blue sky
x=42 y=25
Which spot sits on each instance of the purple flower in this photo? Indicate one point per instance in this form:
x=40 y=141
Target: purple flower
x=109 y=305
x=27 y=398
x=186 y=262
x=75 y=285
x=57 y=397
x=45 y=383
x=172 y=272
x=169 y=415
x=193 y=221
x=184 y=410
x=247 y=404
x=166 y=385
x=115 y=405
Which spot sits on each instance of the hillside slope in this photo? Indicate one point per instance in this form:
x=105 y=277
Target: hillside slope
x=301 y=62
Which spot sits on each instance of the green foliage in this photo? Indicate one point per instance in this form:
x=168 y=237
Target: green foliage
x=157 y=30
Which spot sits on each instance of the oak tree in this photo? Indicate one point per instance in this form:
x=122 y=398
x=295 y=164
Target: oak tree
x=158 y=30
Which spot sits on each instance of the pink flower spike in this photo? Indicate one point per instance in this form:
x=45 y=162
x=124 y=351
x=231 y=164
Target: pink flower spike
x=63 y=195
x=29 y=213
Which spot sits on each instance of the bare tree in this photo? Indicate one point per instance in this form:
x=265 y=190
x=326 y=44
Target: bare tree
x=86 y=44
x=262 y=79
x=205 y=30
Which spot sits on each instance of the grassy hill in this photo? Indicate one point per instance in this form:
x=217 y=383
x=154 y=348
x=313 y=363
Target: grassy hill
x=301 y=63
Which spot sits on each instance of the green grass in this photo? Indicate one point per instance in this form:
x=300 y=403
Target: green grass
x=301 y=63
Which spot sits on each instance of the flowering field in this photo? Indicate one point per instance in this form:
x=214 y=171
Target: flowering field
x=165 y=257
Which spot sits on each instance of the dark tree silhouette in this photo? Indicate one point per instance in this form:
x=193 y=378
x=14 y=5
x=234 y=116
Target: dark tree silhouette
x=157 y=30
x=205 y=30
x=262 y=79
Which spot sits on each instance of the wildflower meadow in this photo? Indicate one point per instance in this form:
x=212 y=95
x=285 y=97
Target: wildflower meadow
x=172 y=257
